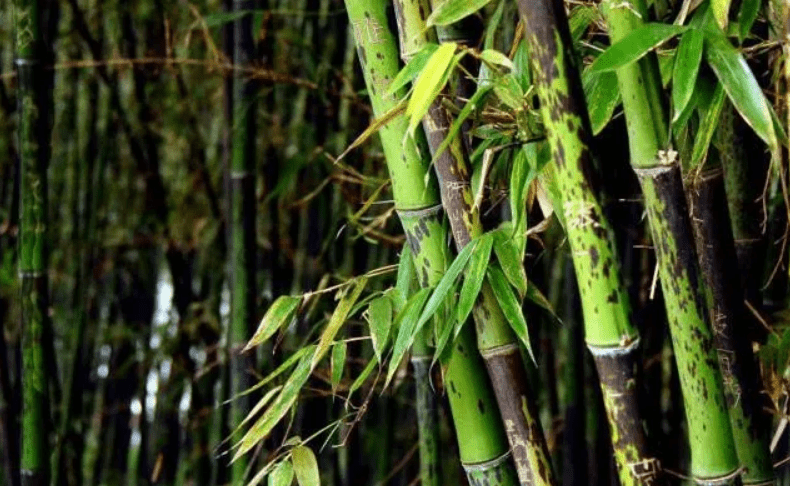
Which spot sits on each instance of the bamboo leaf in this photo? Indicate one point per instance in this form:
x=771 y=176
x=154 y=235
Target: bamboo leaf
x=603 y=97
x=635 y=45
x=278 y=315
x=414 y=67
x=374 y=127
x=282 y=474
x=741 y=86
x=405 y=276
x=221 y=18
x=280 y=369
x=361 y=378
x=338 y=319
x=473 y=277
x=687 y=63
x=380 y=322
x=580 y=20
x=305 y=466
x=258 y=407
x=748 y=13
x=721 y=10
x=338 y=363
x=430 y=83
x=510 y=306
x=261 y=474
x=538 y=298
x=407 y=329
x=471 y=105
x=511 y=261
x=707 y=129
x=496 y=58
x=451 y=11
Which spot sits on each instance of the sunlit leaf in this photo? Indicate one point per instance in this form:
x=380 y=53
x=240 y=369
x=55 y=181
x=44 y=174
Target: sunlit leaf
x=511 y=261
x=413 y=68
x=721 y=10
x=278 y=315
x=407 y=329
x=473 y=277
x=635 y=45
x=497 y=58
x=510 y=305
x=338 y=318
x=430 y=83
x=338 y=363
x=305 y=466
x=740 y=84
x=282 y=474
x=687 y=64
x=451 y=11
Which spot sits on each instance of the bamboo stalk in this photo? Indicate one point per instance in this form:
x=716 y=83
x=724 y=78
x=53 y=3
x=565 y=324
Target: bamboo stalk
x=33 y=139
x=610 y=335
x=482 y=445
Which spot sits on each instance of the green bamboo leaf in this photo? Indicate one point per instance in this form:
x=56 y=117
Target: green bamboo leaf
x=474 y=103
x=721 y=10
x=741 y=86
x=707 y=129
x=338 y=319
x=687 y=63
x=511 y=261
x=451 y=11
x=580 y=20
x=414 y=67
x=520 y=177
x=473 y=277
x=404 y=279
x=510 y=306
x=635 y=45
x=496 y=58
x=221 y=18
x=258 y=407
x=256 y=480
x=538 y=298
x=748 y=13
x=285 y=400
x=361 y=378
x=282 y=474
x=278 y=315
x=280 y=369
x=338 y=363
x=430 y=83
x=406 y=322
x=380 y=322
x=603 y=96
x=305 y=466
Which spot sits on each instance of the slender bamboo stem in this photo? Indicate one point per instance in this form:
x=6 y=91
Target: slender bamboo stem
x=483 y=447
x=609 y=332
x=33 y=138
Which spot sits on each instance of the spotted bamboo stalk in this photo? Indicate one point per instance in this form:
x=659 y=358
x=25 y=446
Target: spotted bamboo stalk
x=659 y=174
x=610 y=335
x=242 y=220
x=482 y=444
x=495 y=340
x=33 y=154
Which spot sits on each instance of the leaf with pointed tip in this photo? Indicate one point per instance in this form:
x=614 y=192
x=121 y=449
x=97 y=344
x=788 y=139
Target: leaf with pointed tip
x=430 y=83
x=721 y=10
x=413 y=68
x=338 y=318
x=473 y=277
x=282 y=474
x=687 y=64
x=511 y=261
x=404 y=280
x=707 y=129
x=740 y=84
x=278 y=315
x=380 y=322
x=361 y=378
x=748 y=13
x=603 y=96
x=492 y=56
x=473 y=104
x=305 y=466
x=406 y=322
x=536 y=297
x=338 y=363
x=635 y=45
x=451 y=11
x=280 y=369
x=511 y=307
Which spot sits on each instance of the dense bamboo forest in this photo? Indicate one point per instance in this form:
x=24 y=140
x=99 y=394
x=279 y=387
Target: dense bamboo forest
x=395 y=242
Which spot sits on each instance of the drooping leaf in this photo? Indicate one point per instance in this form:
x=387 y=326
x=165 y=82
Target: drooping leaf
x=497 y=58
x=721 y=10
x=338 y=363
x=451 y=11
x=413 y=68
x=748 y=13
x=380 y=322
x=221 y=18
x=473 y=277
x=404 y=279
x=374 y=127
x=687 y=64
x=282 y=474
x=510 y=260
x=603 y=96
x=406 y=322
x=305 y=466
x=511 y=307
x=291 y=361
x=259 y=406
x=338 y=318
x=474 y=103
x=707 y=128
x=635 y=45
x=430 y=83
x=361 y=378
x=740 y=84
x=278 y=315
x=509 y=92
x=535 y=296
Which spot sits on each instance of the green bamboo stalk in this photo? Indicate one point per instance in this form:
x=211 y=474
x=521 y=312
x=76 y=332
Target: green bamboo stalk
x=610 y=335
x=482 y=445
x=242 y=221
x=33 y=138
x=660 y=177
x=495 y=340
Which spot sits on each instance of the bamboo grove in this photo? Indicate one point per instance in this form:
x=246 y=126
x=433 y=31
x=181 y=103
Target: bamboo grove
x=394 y=242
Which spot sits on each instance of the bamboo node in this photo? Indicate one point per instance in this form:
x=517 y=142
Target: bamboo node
x=487 y=465
x=614 y=351
x=499 y=351
x=419 y=213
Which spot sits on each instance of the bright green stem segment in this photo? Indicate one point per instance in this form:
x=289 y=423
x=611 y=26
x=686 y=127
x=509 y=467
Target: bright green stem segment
x=659 y=176
x=478 y=427
x=33 y=135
